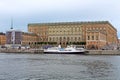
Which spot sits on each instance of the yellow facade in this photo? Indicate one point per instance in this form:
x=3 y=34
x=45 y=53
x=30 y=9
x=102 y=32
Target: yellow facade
x=40 y=30
x=29 y=39
x=64 y=33
x=99 y=34
x=94 y=34
x=2 y=39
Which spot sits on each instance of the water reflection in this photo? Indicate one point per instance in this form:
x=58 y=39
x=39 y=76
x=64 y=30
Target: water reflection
x=99 y=69
x=58 y=67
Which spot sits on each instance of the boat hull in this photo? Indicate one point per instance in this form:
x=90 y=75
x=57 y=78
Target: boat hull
x=68 y=50
x=64 y=52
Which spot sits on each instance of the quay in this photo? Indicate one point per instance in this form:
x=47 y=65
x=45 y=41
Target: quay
x=40 y=51
x=103 y=52
x=21 y=51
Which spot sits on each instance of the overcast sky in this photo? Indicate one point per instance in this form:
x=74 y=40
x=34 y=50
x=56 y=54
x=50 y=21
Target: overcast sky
x=42 y=11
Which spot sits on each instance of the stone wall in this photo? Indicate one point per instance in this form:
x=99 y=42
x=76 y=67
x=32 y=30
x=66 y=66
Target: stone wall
x=104 y=52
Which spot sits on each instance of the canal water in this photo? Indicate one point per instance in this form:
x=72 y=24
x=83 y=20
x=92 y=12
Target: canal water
x=59 y=67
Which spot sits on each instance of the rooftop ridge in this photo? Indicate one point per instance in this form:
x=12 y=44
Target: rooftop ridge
x=78 y=22
x=72 y=23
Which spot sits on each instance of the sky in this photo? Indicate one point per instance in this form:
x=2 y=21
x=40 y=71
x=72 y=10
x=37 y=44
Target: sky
x=23 y=12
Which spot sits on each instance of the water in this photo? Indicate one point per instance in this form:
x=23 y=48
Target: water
x=59 y=67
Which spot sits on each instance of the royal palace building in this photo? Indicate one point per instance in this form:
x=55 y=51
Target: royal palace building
x=91 y=34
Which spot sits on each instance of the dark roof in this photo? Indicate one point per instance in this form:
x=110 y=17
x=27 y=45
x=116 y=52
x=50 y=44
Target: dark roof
x=1 y=33
x=64 y=23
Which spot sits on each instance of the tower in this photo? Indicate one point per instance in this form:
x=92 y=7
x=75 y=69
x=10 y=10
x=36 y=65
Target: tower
x=13 y=37
x=11 y=23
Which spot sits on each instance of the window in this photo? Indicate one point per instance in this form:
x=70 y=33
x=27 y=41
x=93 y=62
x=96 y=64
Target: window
x=67 y=38
x=71 y=38
x=96 y=37
x=79 y=38
x=50 y=39
x=75 y=38
x=60 y=38
x=53 y=39
x=92 y=37
x=56 y=39
x=88 y=37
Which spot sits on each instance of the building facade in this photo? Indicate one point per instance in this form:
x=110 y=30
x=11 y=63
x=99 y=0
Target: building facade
x=2 y=39
x=41 y=30
x=62 y=33
x=29 y=39
x=15 y=38
x=65 y=33
x=93 y=34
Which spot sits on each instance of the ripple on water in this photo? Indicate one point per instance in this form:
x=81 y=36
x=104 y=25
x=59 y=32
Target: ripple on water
x=58 y=67
x=98 y=69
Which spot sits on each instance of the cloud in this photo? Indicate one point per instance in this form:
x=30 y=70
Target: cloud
x=25 y=11
x=25 y=6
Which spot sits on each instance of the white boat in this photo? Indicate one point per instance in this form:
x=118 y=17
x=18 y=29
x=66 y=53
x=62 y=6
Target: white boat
x=67 y=50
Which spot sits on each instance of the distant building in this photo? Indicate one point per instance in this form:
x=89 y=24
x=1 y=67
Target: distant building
x=93 y=34
x=2 y=38
x=13 y=38
x=16 y=38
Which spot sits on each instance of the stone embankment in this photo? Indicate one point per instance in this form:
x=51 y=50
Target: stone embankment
x=21 y=51
x=40 y=51
x=103 y=52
